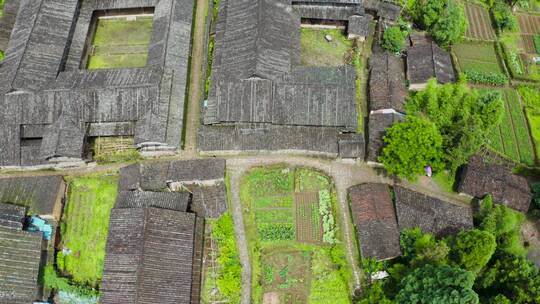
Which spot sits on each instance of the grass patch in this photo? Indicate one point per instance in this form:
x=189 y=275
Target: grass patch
x=84 y=227
x=445 y=181
x=119 y=43
x=316 y=51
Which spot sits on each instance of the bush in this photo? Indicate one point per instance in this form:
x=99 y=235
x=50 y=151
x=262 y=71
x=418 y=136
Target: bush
x=273 y=232
x=329 y=224
x=230 y=271
x=487 y=78
x=393 y=39
x=52 y=280
x=537 y=43
x=502 y=17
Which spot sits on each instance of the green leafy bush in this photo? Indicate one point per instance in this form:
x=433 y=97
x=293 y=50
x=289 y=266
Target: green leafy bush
x=536 y=39
x=502 y=16
x=52 y=280
x=393 y=39
x=229 y=280
x=272 y=232
x=486 y=78
x=329 y=224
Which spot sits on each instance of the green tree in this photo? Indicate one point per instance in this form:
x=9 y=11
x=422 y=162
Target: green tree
x=427 y=12
x=503 y=17
x=471 y=250
x=421 y=248
x=451 y=25
x=500 y=299
x=393 y=39
x=437 y=284
x=463 y=117
x=410 y=146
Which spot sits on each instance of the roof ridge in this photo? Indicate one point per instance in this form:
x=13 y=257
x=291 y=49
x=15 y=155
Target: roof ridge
x=141 y=257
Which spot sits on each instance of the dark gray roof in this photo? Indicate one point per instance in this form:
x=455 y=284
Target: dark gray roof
x=428 y=60
x=388 y=11
x=375 y=220
x=19 y=265
x=432 y=215
x=261 y=99
x=328 y=9
x=265 y=137
x=203 y=177
x=387 y=82
x=178 y=201
x=11 y=216
x=151 y=257
x=351 y=145
x=377 y=125
x=46 y=85
x=480 y=179
x=39 y=194
x=359 y=25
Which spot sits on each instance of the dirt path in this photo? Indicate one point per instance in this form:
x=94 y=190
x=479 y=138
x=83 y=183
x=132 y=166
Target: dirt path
x=195 y=84
x=530 y=232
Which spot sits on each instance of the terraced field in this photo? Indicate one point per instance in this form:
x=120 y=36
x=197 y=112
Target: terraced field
x=479 y=23
x=512 y=138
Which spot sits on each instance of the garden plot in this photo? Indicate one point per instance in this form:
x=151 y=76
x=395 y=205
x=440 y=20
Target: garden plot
x=529 y=27
x=288 y=216
x=480 y=27
x=286 y=276
x=480 y=57
x=512 y=138
x=120 y=43
x=84 y=227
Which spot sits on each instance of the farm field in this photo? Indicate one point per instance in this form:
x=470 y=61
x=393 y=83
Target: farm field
x=84 y=227
x=480 y=57
x=512 y=138
x=531 y=99
x=480 y=27
x=316 y=51
x=291 y=231
x=529 y=26
x=120 y=43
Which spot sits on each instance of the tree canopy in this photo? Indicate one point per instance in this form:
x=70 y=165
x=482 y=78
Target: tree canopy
x=437 y=284
x=393 y=39
x=471 y=250
x=410 y=146
x=463 y=117
x=444 y=19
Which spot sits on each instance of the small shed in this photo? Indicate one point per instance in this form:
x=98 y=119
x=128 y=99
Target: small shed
x=42 y=195
x=387 y=88
x=480 y=178
x=442 y=218
x=375 y=220
x=388 y=11
x=359 y=26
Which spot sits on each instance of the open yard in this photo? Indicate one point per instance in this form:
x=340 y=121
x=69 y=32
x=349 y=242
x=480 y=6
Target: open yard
x=480 y=57
x=512 y=138
x=120 y=43
x=480 y=27
x=84 y=227
x=289 y=217
x=317 y=51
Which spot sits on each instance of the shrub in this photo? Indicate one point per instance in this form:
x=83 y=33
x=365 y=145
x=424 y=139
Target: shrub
x=272 y=232
x=536 y=39
x=329 y=224
x=486 y=78
x=502 y=17
x=52 y=280
x=393 y=39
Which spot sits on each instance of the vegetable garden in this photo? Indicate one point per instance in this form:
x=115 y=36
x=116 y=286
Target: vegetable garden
x=512 y=138
x=479 y=23
x=289 y=216
x=480 y=63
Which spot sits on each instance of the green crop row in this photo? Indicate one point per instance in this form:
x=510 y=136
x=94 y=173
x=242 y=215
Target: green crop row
x=489 y=78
